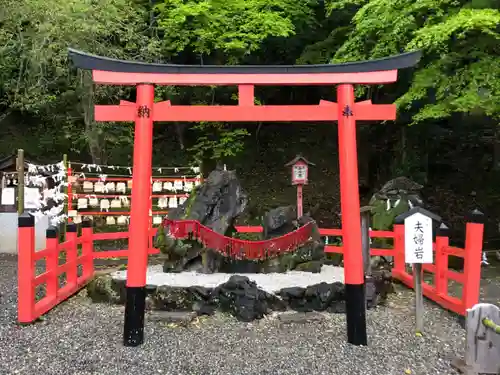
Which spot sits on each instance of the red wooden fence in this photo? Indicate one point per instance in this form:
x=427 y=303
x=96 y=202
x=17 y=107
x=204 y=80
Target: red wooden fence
x=79 y=253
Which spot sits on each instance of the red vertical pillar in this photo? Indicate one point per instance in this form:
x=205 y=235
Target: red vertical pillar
x=87 y=249
x=472 y=260
x=25 y=268
x=139 y=218
x=351 y=220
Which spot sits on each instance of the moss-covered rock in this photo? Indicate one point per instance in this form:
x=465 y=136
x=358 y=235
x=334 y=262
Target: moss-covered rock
x=103 y=288
x=173 y=298
x=313 y=266
x=334 y=259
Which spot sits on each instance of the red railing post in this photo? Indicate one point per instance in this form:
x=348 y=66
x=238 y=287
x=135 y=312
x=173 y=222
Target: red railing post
x=399 y=250
x=52 y=261
x=472 y=260
x=25 y=268
x=87 y=248
x=441 y=260
x=71 y=254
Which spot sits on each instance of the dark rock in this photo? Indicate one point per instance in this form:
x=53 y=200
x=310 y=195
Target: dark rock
x=177 y=317
x=103 y=288
x=337 y=307
x=171 y=298
x=308 y=257
x=204 y=308
x=244 y=300
x=371 y=294
x=280 y=221
x=292 y=293
x=200 y=293
x=383 y=285
x=241 y=297
x=301 y=317
x=316 y=297
x=216 y=203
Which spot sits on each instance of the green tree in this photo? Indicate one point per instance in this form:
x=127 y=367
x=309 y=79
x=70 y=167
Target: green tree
x=460 y=40
x=224 y=32
x=36 y=77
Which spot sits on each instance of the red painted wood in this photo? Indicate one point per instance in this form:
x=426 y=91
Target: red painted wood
x=300 y=210
x=120 y=78
x=26 y=274
x=246 y=95
x=141 y=182
x=448 y=302
x=472 y=263
x=265 y=113
x=441 y=262
x=349 y=194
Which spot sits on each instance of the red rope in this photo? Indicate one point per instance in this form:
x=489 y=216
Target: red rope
x=234 y=247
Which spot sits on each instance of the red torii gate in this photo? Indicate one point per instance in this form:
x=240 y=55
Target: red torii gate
x=145 y=111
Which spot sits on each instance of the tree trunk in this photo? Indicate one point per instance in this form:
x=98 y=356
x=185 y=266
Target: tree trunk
x=496 y=148
x=93 y=133
x=179 y=129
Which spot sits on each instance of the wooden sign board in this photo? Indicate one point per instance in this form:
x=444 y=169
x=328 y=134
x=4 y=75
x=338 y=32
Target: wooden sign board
x=299 y=173
x=418 y=239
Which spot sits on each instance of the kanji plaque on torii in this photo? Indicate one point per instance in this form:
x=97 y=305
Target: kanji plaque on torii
x=325 y=111
x=145 y=111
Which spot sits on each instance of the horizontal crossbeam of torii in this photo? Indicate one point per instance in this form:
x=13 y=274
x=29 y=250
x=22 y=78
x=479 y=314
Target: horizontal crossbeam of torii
x=144 y=112
x=246 y=111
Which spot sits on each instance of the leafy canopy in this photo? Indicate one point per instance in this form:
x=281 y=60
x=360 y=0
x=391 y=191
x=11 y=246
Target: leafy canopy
x=461 y=44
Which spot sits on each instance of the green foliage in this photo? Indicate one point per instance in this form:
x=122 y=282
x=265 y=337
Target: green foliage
x=36 y=78
x=218 y=142
x=233 y=28
x=461 y=52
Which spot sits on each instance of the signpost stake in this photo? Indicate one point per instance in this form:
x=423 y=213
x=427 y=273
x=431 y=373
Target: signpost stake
x=300 y=207
x=419 y=297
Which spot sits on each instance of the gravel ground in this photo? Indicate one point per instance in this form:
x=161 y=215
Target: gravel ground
x=80 y=338
x=270 y=282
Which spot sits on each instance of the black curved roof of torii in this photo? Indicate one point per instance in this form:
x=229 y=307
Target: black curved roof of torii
x=93 y=62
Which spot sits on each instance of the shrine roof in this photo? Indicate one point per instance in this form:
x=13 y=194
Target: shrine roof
x=89 y=61
x=299 y=158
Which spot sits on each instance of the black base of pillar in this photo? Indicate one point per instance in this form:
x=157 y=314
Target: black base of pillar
x=356 y=314
x=133 y=332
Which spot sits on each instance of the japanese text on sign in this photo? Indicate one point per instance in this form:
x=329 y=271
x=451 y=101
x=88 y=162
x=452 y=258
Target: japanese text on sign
x=299 y=172
x=418 y=239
